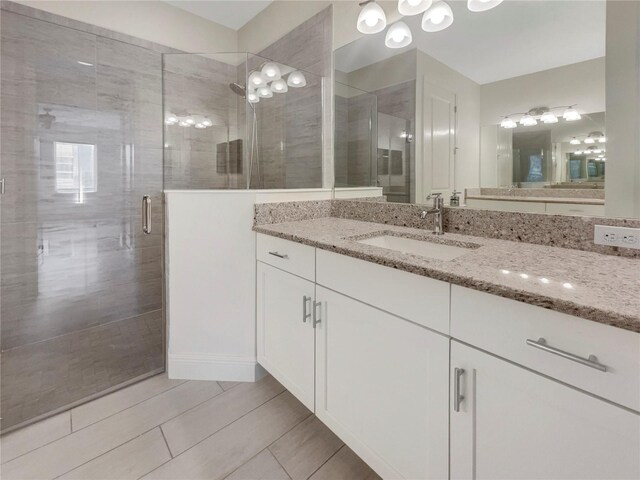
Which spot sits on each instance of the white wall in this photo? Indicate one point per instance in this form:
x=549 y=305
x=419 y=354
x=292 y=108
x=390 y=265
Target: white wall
x=580 y=83
x=622 y=179
x=154 y=21
x=467 y=166
x=391 y=71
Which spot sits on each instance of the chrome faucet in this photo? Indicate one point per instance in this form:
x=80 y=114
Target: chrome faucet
x=437 y=210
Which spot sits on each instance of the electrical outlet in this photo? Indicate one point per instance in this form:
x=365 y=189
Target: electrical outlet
x=617 y=236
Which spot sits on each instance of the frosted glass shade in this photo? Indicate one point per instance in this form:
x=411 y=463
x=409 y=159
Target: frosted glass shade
x=296 y=79
x=371 y=19
x=279 y=86
x=571 y=115
x=438 y=17
x=482 y=5
x=264 y=92
x=528 y=121
x=413 y=7
x=256 y=80
x=398 y=35
x=271 y=71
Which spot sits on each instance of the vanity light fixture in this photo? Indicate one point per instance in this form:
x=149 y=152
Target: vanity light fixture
x=190 y=121
x=482 y=5
x=508 y=123
x=413 y=7
x=264 y=92
x=206 y=122
x=589 y=140
x=548 y=117
x=574 y=141
x=528 y=121
x=438 y=17
x=296 y=79
x=372 y=18
x=200 y=125
x=182 y=123
x=398 y=36
x=271 y=71
x=578 y=152
x=567 y=285
x=544 y=280
x=279 y=86
x=602 y=139
x=571 y=114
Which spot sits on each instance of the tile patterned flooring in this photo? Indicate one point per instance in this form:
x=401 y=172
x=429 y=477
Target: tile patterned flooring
x=176 y=429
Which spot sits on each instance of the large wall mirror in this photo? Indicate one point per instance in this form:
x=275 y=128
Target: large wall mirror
x=506 y=106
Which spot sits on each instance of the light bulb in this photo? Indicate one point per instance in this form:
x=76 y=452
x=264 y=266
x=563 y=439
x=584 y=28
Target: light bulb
x=190 y=121
x=589 y=140
x=578 y=152
x=279 y=86
x=252 y=97
x=256 y=80
x=438 y=17
x=200 y=125
x=182 y=123
x=528 y=121
x=265 y=92
x=482 y=5
x=508 y=123
x=271 y=71
x=571 y=115
x=207 y=123
x=413 y=7
x=296 y=79
x=398 y=36
x=574 y=141
x=371 y=19
x=548 y=117
x=602 y=139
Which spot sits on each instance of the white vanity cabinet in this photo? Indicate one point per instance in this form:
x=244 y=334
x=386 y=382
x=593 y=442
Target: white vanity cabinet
x=508 y=422
x=382 y=386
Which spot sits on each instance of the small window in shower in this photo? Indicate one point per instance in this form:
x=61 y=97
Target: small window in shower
x=76 y=169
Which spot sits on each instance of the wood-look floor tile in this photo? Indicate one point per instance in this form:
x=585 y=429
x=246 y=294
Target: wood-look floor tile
x=129 y=461
x=184 y=431
x=115 y=402
x=67 y=453
x=305 y=448
x=34 y=436
x=345 y=465
x=228 y=385
x=263 y=466
x=226 y=450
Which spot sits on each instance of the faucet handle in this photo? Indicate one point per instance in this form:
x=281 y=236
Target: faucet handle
x=434 y=195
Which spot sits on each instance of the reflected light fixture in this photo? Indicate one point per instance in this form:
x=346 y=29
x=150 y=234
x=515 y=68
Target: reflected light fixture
x=482 y=5
x=508 y=123
x=271 y=71
x=413 y=7
x=296 y=79
x=528 y=121
x=571 y=114
x=438 y=17
x=206 y=122
x=589 y=140
x=279 y=86
x=548 y=117
x=253 y=97
x=264 y=92
x=574 y=141
x=372 y=18
x=602 y=139
x=398 y=36
x=256 y=80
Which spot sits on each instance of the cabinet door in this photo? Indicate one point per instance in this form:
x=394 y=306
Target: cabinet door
x=382 y=386
x=285 y=336
x=515 y=424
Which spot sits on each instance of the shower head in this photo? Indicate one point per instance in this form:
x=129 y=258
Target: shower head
x=238 y=89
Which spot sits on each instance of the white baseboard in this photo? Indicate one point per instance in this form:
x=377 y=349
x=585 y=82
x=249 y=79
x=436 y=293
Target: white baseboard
x=203 y=366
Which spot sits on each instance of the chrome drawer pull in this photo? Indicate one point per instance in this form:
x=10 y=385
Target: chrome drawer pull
x=457 y=396
x=591 y=361
x=316 y=316
x=305 y=314
x=279 y=255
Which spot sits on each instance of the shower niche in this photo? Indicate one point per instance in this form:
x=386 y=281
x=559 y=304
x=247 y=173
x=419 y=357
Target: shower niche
x=240 y=121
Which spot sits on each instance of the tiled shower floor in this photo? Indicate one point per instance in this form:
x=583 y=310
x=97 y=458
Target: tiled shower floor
x=176 y=429
x=41 y=377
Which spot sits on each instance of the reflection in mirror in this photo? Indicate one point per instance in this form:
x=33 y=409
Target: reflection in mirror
x=516 y=124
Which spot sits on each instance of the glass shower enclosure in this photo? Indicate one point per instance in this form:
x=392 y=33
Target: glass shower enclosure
x=240 y=121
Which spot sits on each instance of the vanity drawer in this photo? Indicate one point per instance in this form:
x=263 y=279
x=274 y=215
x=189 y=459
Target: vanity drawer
x=422 y=300
x=289 y=256
x=513 y=330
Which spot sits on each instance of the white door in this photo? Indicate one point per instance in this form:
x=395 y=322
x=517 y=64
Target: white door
x=285 y=330
x=439 y=117
x=515 y=424
x=382 y=386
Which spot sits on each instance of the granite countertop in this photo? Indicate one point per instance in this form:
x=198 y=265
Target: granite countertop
x=579 y=201
x=602 y=288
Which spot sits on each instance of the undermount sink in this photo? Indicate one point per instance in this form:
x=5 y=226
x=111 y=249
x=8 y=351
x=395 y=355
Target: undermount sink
x=423 y=248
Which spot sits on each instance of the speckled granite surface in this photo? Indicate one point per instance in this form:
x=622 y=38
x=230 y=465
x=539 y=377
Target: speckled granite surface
x=575 y=232
x=291 y=211
x=602 y=288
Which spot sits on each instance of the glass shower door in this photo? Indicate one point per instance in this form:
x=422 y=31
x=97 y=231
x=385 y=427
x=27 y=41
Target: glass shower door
x=81 y=284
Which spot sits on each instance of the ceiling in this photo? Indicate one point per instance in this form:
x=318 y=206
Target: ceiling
x=232 y=14
x=513 y=39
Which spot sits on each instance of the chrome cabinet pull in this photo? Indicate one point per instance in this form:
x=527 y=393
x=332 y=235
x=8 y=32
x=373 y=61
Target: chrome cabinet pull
x=279 y=255
x=457 y=396
x=316 y=316
x=146 y=214
x=305 y=315
x=590 y=361
x=1 y=186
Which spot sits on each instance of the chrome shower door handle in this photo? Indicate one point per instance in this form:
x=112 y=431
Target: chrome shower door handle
x=316 y=316
x=306 y=315
x=457 y=396
x=146 y=214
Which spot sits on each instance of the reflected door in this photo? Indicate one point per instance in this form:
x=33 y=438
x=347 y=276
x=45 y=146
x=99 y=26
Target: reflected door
x=81 y=283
